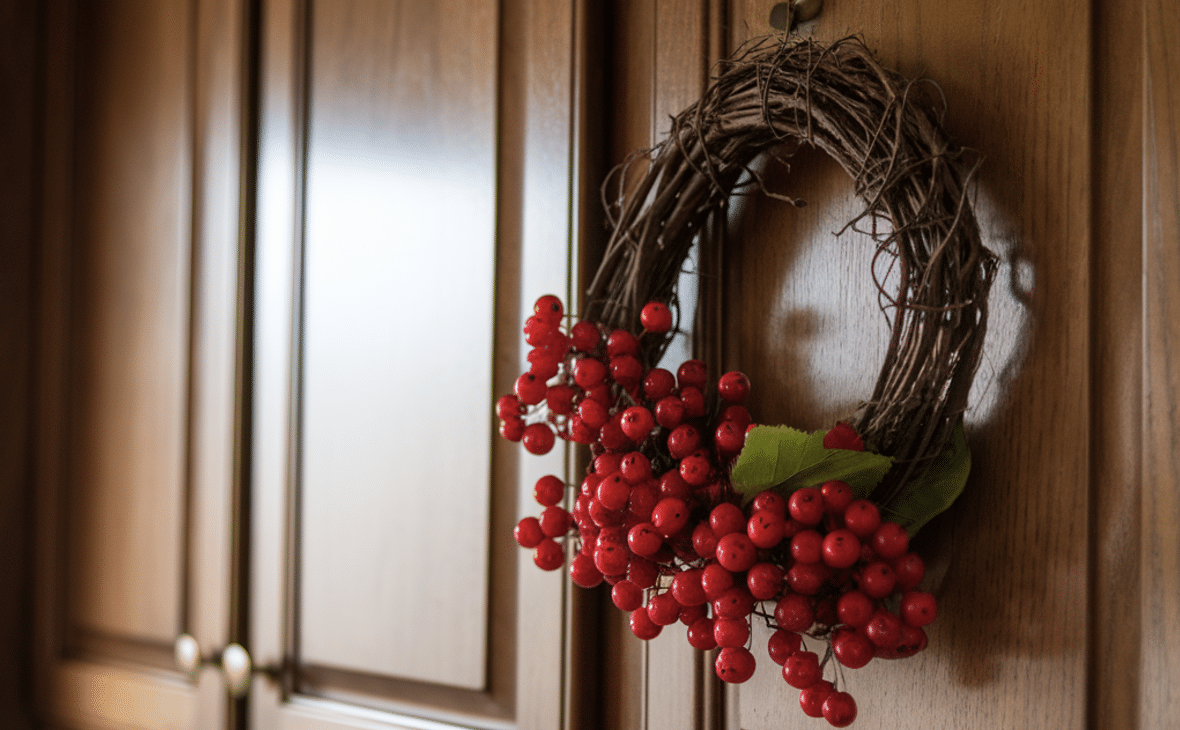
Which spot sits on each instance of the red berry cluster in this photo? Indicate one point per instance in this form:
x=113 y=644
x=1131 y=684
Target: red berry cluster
x=657 y=519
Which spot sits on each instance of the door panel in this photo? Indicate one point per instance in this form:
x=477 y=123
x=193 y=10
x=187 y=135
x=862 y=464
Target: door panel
x=137 y=405
x=1036 y=568
x=415 y=178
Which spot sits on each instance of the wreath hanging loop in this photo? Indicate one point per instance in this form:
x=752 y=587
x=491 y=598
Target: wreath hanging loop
x=886 y=132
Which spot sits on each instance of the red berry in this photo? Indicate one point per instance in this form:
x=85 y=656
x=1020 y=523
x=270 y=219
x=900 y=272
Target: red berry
x=644 y=540
x=583 y=572
x=689 y=615
x=806 y=505
x=913 y=640
x=548 y=555
x=643 y=500
x=726 y=518
x=636 y=468
x=548 y=308
x=808 y=578
x=733 y=387
x=669 y=412
x=734 y=664
x=695 y=470
x=694 y=402
x=637 y=423
x=589 y=372
x=843 y=436
x=716 y=580
x=606 y=463
x=877 y=580
x=611 y=434
x=764 y=580
x=700 y=634
x=658 y=384
x=611 y=558
x=621 y=342
x=581 y=433
x=537 y=439
x=807 y=547
x=601 y=393
x=512 y=428
x=530 y=389
x=555 y=522
x=794 y=613
x=642 y=572
x=549 y=490
x=584 y=336
x=613 y=491
x=841 y=549
x=686 y=588
x=593 y=413
x=560 y=399
x=704 y=542
x=765 y=527
x=692 y=373
x=537 y=331
x=642 y=625
x=851 y=649
x=883 y=629
x=683 y=440
x=733 y=603
x=811 y=699
x=626 y=370
x=854 y=608
x=729 y=438
x=662 y=609
x=910 y=570
x=509 y=406
x=731 y=631
x=862 y=518
x=890 y=540
x=673 y=485
x=655 y=318
x=839 y=709
x=918 y=609
x=801 y=670
x=737 y=414
x=736 y=553
x=626 y=595
x=528 y=532
x=669 y=516
x=782 y=644
x=837 y=496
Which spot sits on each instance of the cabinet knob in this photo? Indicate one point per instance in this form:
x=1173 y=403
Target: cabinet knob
x=236 y=666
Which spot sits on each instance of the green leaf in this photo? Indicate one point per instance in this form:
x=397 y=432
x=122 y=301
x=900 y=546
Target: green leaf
x=786 y=459
x=937 y=488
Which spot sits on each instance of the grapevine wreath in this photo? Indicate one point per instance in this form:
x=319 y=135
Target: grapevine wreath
x=691 y=512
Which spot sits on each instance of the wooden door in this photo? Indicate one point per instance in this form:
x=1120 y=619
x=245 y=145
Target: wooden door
x=139 y=359
x=1055 y=571
x=417 y=179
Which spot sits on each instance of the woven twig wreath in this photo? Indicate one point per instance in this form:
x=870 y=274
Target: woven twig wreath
x=886 y=133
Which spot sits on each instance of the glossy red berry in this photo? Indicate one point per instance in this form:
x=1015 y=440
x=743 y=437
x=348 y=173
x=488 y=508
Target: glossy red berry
x=811 y=699
x=537 y=439
x=765 y=528
x=806 y=505
x=512 y=428
x=589 y=372
x=729 y=438
x=843 y=436
x=782 y=644
x=548 y=555
x=862 y=518
x=669 y=412
x=555 y=521
x=851 y=649
x=669 y=516
x=733 y=387
x=642 y=625
x=765 y=580
x=877 y=580
x=509 y=406
x=530 y=389
x=584 y=336
x=883 y=629
x=910 y=570
x=736 y=414
x=736 y=553
x=548 y=308
x=841 y=549
x=549 y=490
x=621 y=342
x=734 y=664
x=801 y=670
x=700 y=634
x=726 y=518
x=692 y=373
x=770 y=502
x=890 y=540
x=731 y=632
x=642 y=572
x=637 y=423
x=687 y=590
x=807 y=547
x=582 y=571
x=528 y=532
x=733 y=603
x=694 y=402
x=689 y=615
x=837 y=496
x=808 y=578
x=626 y=595
x=656 y=317
x=839 y=709
x=854 y=608
x=643 y=500
x=683 y=440
x=918 y=609
x=716 y=580
x=662 y=609
x=794 y=613
x=626 y=370
x=658 y=384
x=644 y=540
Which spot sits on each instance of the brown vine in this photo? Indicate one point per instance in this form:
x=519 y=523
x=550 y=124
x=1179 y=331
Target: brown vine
x=885 y=131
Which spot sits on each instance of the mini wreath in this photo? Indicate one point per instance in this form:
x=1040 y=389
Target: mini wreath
x=689 y=510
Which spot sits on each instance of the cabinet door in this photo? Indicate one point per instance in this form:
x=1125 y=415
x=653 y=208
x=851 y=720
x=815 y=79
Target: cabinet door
x=139 y=358
x=416 y=180
x=1048 y=617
